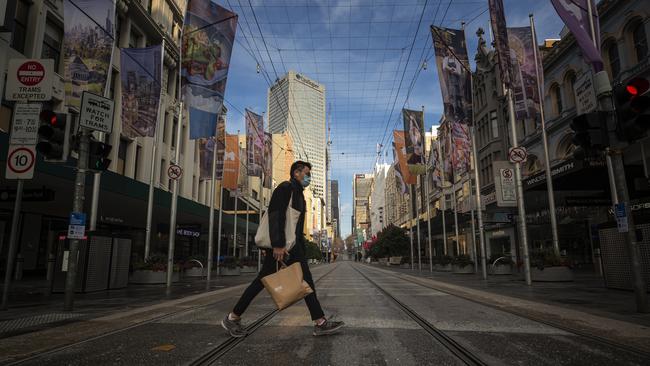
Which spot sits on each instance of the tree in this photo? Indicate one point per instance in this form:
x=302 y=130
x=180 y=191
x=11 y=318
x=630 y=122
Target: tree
x=393 y=241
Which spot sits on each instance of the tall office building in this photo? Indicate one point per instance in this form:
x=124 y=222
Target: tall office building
x=333 y=207
x=296 y=105
x=361 y=190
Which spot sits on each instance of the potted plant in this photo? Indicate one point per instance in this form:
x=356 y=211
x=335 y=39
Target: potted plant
x=312 y=252
x=444 y=263
x=230 y=266
x=500 y=264
x=193 y=268
x=153 y=271
x=248 y=265
x=546 y=266
x=463 y=264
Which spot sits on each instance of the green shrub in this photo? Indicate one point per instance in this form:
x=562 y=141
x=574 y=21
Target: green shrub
x=463 y=260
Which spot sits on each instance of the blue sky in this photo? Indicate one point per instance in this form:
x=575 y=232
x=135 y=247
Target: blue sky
x=358 y=49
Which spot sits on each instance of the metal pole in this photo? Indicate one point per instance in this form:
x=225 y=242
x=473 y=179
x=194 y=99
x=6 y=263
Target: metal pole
x=259 y=251
x=479 y=207
x=234 y=235
x=547 y=160
x=248 y=207
x=453 y=192
x=429 y=221
x=443 y=204
x=473 y=227
x=411 y=222
x=220 y=225
x=154 y=151
x=417 y=218
x=172 y=219
x=11 y=254
x=520 y=192
x=77 y=206
x=211 y=222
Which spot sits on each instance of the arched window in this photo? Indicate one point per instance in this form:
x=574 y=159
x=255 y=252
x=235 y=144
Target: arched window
x=569 y=82
x=556 y=100
x=613 y=59
x=565 y=148
x=640 y=42
x=533 y=165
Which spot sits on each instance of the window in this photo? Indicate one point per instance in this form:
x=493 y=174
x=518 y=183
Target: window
x=118 y=30
x=569 y=83
x=163 y=171
x=614 y=60
x=556 y=99
x=52 y=43
x=138 y=155
x=20 y=26
x=134 y=38
x=494 y=123
x=121 y=156
x=164 y=136
x=640 y=42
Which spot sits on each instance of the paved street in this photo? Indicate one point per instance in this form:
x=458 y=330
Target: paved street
x=390 y=320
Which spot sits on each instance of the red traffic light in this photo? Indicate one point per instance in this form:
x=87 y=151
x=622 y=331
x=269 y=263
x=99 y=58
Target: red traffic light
x=637 y=86
x=49 y=116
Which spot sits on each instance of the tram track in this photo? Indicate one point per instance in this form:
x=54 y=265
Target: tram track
x=554 y=324
x=226 y=346
x=458 y=350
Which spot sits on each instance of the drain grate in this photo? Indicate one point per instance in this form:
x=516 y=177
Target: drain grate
x=36 y=320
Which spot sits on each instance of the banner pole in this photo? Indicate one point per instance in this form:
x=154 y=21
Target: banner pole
x=220 y=225
x=211 y=222
x=443 y=204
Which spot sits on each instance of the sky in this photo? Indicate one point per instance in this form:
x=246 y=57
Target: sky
x=358 y=49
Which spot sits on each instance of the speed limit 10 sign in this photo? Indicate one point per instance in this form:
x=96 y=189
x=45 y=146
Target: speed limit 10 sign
x=20 y=162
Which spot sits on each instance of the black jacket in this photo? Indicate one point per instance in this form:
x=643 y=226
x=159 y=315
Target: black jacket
x=278 y=213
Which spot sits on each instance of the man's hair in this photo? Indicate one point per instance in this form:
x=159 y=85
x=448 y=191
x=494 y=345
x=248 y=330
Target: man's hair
x=299 y=165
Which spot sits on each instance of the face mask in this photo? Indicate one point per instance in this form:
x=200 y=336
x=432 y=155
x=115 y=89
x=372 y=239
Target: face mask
x=306 y=180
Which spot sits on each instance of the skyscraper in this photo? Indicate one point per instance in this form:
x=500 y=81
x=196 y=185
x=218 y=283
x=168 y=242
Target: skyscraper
x=296 y=105
x=333 y=205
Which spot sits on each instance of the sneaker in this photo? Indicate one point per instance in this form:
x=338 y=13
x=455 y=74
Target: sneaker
x=329 y=327
x=233 y=327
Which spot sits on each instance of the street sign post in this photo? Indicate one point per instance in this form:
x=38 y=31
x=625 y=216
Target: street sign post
x=621 y=217
x=24 y=126
x=96 y=112
x=505 y=184
x=20 y=162
x=517 y=154
x=77 y=226
x=29 y=80
x=585 y=94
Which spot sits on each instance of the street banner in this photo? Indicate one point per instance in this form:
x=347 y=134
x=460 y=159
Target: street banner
x=140 y=71
x=446 y=151
x=87 y=47
x=255 y=143
x=206 y=147
x=400 y=148
x=231 y=162
x=268 y=160
x=208 y=36
x=523 y=72
x=221 y=146
x=455 y=81
x=436 y=175
x=575 y=15
x=461 y=149
x=414 y=140
x=399 y=179
x=498 y=21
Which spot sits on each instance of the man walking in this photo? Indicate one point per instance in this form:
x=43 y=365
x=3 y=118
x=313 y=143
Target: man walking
x=300 y=178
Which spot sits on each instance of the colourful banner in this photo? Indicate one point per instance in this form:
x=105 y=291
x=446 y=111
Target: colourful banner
x=268 y=160
x=444 y=141
x=523 y=73
x=575 y=15
x=414 y=140
x=140 y=71
x=500 y=33
x=221 y=146
x=461 y=148
x=400 y=148
x=87 y=47
x=208 y=36
x=231 y=162
x=436 y=175
x=255 y=143
x=455 y=80
x=206 y=147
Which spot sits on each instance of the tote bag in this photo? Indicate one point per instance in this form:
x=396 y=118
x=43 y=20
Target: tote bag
x=263 y=237
x=287 y=286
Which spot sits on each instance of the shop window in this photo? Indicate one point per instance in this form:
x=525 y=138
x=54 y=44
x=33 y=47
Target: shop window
x=52 y=40
x=640 y=41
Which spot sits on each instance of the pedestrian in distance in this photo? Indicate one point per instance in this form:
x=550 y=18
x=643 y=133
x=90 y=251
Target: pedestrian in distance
x=288 y=191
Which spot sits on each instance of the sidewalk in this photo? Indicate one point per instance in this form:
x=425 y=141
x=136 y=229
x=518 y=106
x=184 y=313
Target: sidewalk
x=587 y=293
x=31 y=308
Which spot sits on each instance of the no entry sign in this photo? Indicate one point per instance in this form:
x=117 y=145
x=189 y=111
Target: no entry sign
x=174 y=172
x=29 y=80
x=20 y=162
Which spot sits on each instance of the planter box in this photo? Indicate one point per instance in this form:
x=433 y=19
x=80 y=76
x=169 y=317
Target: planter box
x=249 y=269
x=552 y=274
x=230 y=271
x=195 y=272
x=502 y=269
x=395 y=261
x=151 y=277
x=464 y=269
x=442 y=267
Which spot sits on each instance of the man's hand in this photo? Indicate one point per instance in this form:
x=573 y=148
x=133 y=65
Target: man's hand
x=279 y=253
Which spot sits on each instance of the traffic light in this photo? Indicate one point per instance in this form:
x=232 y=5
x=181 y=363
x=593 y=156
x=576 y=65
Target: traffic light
x=98 y=155
x=54 y=136
x=632 y=109
x=590 y=134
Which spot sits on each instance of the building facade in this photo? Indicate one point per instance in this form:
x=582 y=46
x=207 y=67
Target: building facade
x=378 y=199
x=296 y=106
x=361 y=190
x=335 y=210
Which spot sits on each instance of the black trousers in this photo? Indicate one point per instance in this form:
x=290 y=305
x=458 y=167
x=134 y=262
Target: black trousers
x=269 y=266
